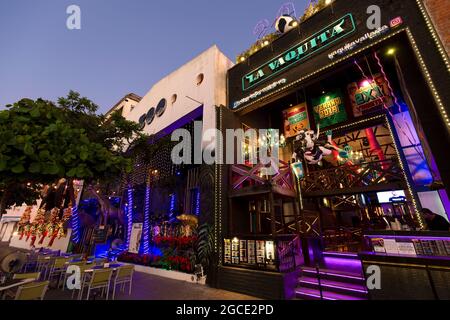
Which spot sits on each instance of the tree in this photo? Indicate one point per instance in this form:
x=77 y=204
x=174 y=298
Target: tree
x=41 y=142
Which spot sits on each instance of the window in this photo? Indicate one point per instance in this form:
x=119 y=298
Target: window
x=161 y=107
x=150 y=115
x=200 y=78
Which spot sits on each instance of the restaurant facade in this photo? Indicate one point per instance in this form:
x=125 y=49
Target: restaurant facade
x=362 y=110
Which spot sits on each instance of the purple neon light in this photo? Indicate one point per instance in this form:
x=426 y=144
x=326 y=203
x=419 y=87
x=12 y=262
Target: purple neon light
x=408 y=237
x=334 y=274
x=344 y=254
x=327 y=285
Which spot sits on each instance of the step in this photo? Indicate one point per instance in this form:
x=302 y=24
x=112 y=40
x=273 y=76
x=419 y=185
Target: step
x=313 y=294
x=334 y=286
x=342 y=276
x=343 y=255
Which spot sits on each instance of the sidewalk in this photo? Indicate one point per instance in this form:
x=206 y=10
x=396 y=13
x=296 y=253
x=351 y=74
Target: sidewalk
x=150 y=287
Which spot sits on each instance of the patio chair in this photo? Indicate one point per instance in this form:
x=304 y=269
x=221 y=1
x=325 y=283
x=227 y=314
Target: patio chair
x=32 y=291
x=33 y=275
x=123 y=276
x=100 y=279
x=57 y=269
x=43 y=265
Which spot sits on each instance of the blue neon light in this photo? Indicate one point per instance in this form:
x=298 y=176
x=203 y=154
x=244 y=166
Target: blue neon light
x=146 y=227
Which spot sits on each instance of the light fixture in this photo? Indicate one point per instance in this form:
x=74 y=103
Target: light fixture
x=391 y=51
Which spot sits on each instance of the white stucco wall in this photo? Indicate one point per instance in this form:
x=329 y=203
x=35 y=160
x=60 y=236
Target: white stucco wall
x=213 y=64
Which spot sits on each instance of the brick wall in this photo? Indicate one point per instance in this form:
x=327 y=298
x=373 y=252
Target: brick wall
x=439 y=11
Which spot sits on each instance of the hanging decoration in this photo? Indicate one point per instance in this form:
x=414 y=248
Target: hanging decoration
x=24 y=222
x=308 y=146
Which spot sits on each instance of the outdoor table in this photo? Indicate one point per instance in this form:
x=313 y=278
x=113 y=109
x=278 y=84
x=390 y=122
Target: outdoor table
x=12 y=284
x=113 y=266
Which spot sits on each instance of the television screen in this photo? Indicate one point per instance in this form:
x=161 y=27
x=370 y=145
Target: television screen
x=391 y=196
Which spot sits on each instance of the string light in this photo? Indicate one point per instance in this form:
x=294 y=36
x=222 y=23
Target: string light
x=129 y=211
x=410 y=189
x=320 y=70
x=430 y=83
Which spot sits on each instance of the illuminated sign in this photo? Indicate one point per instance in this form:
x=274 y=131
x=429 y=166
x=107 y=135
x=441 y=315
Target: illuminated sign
x=259 y=93
x=295 y=120
x=305 y=49
x=368 y=95
x=329 y=109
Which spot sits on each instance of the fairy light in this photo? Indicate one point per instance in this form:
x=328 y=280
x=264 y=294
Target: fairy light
x=430 y=82
x=410 y=189
x=434 y=35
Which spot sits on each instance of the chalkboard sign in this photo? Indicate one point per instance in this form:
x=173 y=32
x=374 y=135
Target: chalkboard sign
x=100 y=235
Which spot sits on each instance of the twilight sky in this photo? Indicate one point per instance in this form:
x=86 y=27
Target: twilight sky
x=123 y=45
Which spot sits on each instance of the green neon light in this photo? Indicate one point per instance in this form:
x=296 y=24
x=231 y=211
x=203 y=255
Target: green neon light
x=327 y=36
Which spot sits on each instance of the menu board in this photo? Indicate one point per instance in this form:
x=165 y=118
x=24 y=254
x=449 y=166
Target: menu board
x=227 y=249
x=411 y=247
x=369 y=95
x=251 y=252
x=260 y=252
x=329 y=109
x=235 y=252
x=295 y=120
x=243 y=251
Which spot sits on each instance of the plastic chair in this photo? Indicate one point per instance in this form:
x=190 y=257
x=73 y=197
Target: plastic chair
x=57 y=269
x=33 y=275
x=32 y=291
x=123 y=276
x=100 y=279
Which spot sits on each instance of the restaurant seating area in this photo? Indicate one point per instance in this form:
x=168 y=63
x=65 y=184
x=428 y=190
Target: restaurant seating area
x=87 y=277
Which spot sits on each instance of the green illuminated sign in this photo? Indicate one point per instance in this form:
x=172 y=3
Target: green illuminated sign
x=317 y=42
x=329 y=109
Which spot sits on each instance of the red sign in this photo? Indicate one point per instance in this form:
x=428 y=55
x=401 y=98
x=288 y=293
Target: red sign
x=396 y=22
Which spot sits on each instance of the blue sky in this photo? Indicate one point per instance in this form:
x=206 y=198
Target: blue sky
x=123 y=45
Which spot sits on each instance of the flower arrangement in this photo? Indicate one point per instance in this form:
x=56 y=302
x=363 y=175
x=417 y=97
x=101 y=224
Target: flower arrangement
x=175 y=242
x=179 y=263
x=146 y=259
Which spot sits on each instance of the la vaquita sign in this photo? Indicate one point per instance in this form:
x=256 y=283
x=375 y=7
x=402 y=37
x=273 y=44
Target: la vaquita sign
x=302 y=51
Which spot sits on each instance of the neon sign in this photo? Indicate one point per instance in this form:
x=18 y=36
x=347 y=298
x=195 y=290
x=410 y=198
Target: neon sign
x=305 y=49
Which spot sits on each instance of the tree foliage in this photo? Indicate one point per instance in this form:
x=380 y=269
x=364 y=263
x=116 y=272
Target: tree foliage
x=41 y=141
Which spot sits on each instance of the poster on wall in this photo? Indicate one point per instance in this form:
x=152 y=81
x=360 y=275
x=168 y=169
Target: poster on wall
x=135 y=240
x=329 y=109
x=295 y=120
x=369 y=95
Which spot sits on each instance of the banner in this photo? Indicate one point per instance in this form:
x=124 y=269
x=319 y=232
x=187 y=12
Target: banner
x=369 y=95
x=135 y=240
x=329 y=109
x=295 y=120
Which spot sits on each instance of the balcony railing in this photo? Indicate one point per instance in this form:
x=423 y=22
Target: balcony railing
x=243 y=176
x=354 y=178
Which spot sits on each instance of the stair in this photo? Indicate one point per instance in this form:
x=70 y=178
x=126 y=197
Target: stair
x=335 y=284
